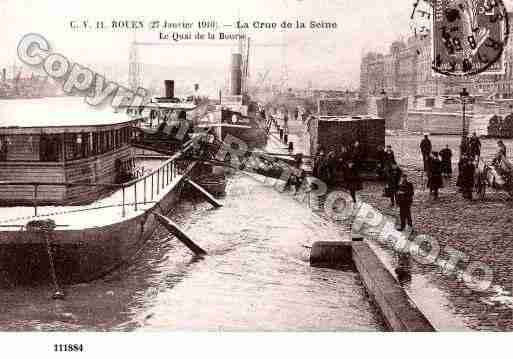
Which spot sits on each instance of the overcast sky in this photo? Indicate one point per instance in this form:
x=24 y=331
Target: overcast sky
x=362 y=25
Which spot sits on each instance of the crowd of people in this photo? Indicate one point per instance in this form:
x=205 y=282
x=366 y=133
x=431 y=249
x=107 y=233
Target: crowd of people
x=438 y=165
x=397 y=187
x=470 y=153
x=344 y=164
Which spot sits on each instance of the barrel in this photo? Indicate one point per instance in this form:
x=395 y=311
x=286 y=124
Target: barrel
x=328 y=254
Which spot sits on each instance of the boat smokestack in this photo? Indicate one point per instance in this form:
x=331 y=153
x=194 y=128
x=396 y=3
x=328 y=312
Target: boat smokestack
x=170 y=88
x=4 y=74
x=196 y=87
x=236 y=75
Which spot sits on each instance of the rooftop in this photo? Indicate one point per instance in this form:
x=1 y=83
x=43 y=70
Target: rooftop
x=346 y=118
x=30 y=113
x=165 y=105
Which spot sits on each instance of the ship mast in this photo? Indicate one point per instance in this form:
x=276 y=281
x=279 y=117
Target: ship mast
x=245 y=67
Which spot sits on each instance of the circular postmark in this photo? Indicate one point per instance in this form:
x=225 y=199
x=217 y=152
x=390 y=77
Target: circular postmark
x=420 y=19
x=468 y=36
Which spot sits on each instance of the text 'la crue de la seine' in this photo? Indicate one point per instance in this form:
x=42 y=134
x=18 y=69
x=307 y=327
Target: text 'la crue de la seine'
x=162 y=24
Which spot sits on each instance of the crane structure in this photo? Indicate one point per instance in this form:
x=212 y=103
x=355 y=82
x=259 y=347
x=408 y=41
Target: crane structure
x=135 y=66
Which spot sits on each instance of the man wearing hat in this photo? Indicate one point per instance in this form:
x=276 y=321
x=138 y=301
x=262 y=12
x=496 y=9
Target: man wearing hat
x=425 y=149
x=404 y=200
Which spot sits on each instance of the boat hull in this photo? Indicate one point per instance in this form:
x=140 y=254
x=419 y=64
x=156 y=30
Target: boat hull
x=252 y=137
x=79 y=255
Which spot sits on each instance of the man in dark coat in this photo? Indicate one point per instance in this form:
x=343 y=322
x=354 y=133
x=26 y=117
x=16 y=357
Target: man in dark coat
x=392 y=185
x=435 y=177
x=380 y=157
x=342 y=157
x=404 y=200
x=356 y=154
x=467 y=177
x=352 y=179
x=331 y=164
x=446 y=156
x=461 y=165
x=388 y=160
x=464 y=146
x=319 y=163
x=425 y=149
x=427 y=169
x=389 y=157
x=474 y=146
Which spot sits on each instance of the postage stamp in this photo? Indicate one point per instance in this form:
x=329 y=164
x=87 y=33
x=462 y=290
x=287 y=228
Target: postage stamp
x=469 y=36
x=420 y=18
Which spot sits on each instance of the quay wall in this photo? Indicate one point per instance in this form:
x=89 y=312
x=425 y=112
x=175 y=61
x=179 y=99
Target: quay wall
x=398 y=310
x=443 y=123
x=341 y=106
x=393 y=110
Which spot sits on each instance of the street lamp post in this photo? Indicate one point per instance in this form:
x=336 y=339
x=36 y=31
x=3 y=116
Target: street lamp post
x=464 y=95
x=384 y=97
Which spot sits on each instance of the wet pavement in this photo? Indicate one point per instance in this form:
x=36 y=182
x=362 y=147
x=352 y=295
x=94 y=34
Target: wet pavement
x=481 y=229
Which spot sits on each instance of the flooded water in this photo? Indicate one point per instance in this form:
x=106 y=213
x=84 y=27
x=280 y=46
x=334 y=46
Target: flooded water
x=256 y=277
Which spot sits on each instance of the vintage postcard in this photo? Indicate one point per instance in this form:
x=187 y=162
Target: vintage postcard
x=255 y=166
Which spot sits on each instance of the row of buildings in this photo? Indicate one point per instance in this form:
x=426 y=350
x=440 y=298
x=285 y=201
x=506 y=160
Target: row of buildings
x=406 y=71
x=19 y=83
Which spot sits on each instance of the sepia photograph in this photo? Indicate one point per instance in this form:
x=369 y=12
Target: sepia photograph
x=255 y=167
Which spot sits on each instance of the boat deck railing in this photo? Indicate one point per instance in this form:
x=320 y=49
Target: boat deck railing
x=140 y=191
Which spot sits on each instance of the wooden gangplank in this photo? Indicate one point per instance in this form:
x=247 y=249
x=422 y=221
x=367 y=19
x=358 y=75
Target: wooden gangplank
x=174 y=229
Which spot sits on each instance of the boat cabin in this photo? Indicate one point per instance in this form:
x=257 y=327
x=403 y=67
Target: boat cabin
x=154 y=113
x=45 y=158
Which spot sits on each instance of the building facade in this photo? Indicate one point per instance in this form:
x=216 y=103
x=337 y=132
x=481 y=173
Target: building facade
x=406 y=71
x=372 y=73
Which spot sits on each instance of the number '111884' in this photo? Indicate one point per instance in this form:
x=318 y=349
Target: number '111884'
x=68 y=347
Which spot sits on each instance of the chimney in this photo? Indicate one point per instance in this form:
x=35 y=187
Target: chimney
x=170 y=88
x=4 y=74
x=236 y=75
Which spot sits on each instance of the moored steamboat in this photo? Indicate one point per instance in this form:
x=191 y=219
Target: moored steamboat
x=71 y=207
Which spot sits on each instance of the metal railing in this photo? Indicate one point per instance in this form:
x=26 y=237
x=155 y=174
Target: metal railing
x=143 y=190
